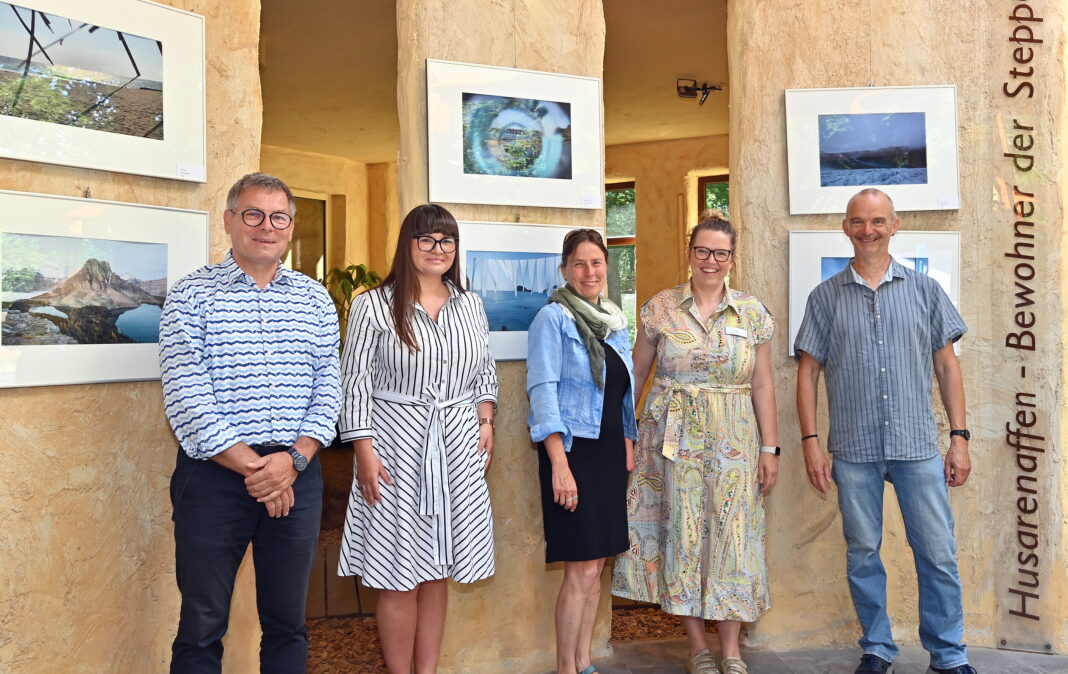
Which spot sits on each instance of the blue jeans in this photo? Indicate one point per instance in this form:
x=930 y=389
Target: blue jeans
x=923 y=497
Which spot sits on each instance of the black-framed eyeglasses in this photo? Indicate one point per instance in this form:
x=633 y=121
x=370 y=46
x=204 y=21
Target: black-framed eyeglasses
x=427 y=243
x=254 y=217
x=720 y=254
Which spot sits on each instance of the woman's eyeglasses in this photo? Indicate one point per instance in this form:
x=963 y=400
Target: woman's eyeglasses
x=720 y=254
x=427 y=243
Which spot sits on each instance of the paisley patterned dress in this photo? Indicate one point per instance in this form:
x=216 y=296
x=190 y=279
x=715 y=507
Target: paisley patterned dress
x=696 y=517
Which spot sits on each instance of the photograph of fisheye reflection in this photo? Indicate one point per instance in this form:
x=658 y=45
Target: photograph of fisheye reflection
x=516 y=137
x=64 y=71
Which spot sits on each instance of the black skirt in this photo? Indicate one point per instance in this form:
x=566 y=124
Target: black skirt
x=598 y=527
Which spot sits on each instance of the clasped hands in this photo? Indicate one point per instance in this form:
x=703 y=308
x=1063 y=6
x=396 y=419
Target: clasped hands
x=270 y=482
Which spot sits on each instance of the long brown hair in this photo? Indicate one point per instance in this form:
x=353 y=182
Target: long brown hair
x=421 y=220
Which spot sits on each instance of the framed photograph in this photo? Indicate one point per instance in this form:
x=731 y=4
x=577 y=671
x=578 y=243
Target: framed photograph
x=513 y=137
x=815 y=256
x=82 y=285
x=114 y=86
x=513 y=268
x=902 y=140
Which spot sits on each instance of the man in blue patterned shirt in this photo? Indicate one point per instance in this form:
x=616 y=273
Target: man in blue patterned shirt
x=878 y=328
x=251 y=387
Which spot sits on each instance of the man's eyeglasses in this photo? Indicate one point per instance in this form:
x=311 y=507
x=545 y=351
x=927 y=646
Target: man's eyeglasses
x=427 y=243
x=254 y=217
x=720 y=254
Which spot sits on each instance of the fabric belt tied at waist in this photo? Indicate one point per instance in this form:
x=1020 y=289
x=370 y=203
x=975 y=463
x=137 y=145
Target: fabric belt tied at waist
x=433 y=484
x=673 y=400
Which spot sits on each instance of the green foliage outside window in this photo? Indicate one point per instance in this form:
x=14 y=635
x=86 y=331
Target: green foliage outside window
x=619 y=212
x=717 y=196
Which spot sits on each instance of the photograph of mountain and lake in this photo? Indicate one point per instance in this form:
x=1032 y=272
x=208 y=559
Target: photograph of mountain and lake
x=71 y=290
x=65 y=71
x=873 y=149
x=516 y=137
x=513 y=285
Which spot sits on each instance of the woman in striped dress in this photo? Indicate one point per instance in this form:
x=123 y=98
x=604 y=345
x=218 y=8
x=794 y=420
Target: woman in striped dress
x=420 y=391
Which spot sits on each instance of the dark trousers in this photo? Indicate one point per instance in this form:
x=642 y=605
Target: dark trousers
x=215 y=519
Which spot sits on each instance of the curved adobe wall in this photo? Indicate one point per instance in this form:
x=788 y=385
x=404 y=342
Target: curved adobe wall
x=849 y=44
x=506 y=621
x=87 y=550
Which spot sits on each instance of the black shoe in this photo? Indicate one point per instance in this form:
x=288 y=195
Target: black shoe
x=873 y=664
x=959 y=669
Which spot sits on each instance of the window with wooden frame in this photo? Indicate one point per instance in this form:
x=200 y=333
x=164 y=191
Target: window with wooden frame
x=714 y=192
x=621 y=228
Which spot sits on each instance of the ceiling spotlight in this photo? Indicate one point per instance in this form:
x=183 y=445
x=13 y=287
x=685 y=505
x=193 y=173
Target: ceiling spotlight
x=689 y=89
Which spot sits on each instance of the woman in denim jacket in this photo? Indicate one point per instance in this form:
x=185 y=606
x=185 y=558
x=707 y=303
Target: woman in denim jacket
x=581 y=388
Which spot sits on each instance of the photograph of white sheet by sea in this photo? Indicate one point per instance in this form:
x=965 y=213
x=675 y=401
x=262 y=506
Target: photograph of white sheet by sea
x=513 y=286
x=64 y=71
x=829 y=266
x=70 y=290
x=873 y=149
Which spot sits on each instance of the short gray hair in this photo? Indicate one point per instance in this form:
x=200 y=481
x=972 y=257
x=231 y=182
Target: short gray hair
x=872 y=191
x=263 y=181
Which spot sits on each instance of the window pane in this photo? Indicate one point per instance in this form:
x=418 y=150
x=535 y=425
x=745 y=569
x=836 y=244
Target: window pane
x=717 y=196
x=619 y=212
x=621 y=282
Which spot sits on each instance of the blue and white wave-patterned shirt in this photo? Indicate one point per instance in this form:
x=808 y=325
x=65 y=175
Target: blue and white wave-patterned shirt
x=241 y=363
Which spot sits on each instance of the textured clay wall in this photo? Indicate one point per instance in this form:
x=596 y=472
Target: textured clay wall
x=504 y=623
x=87 y=570
x=383 y=219
x=906 y=43
x=346 y=183
x=664 y=175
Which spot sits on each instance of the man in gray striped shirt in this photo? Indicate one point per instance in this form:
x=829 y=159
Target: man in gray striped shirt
x=878 y=328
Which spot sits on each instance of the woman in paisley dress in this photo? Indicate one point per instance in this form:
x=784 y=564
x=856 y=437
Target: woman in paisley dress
x=705 y=455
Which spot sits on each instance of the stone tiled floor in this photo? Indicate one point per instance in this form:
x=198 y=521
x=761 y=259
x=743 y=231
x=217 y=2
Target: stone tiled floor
x=669 y=657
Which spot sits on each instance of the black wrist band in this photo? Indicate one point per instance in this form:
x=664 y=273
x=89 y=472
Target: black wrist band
x=806 y=437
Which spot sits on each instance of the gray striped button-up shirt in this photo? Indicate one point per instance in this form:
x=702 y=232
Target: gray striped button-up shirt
x=876 y=348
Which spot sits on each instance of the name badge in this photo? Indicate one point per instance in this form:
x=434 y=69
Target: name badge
x=737 y=332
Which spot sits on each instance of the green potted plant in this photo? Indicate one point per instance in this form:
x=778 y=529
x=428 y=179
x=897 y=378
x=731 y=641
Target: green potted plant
x=345 y=283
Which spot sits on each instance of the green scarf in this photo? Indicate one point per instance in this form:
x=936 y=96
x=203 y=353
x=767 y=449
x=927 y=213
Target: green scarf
x=594 y=323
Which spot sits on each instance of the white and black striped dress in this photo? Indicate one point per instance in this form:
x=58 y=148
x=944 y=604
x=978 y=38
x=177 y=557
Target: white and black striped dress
x=420 y=410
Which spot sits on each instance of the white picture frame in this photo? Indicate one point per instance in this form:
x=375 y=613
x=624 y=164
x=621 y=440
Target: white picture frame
x=469 y=163
x=32 y=223
x=525 y=251
x=817 y=255
x=180 y=154
x=840 y=141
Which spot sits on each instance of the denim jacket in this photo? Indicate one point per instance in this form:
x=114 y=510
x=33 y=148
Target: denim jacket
x=563 y=396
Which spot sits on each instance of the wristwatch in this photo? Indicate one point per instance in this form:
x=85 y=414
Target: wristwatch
x=771 y=450
x=962 y=432
x=299 y=461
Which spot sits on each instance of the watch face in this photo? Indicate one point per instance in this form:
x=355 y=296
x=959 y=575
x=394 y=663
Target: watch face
x=299 y=461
